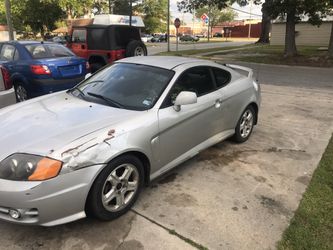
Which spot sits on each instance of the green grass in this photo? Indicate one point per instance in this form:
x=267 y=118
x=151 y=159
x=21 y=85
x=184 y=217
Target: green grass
x=269 y=54
x=312 y=225
x=199 y=51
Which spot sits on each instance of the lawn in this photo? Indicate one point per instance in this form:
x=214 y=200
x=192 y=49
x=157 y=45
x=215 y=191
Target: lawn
x=270 y=54
x=312 y=225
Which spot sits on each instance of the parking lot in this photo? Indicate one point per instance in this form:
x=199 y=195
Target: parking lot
x=229 y=196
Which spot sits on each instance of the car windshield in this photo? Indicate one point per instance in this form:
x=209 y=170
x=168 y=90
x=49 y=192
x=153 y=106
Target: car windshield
x=123 y=85
x=39 y=51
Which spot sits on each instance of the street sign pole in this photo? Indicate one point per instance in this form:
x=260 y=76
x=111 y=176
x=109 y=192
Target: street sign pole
x=168 y=28
x=177 y=25
x=177 y=39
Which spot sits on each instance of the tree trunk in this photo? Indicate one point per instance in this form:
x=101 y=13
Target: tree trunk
x=9 y=20
x=330 y=47
x=265 y=25
x=290 y=40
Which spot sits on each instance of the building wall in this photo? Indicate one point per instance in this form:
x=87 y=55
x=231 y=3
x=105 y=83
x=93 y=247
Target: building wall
x=4 y=36
x=307 y=34
x=240 y=30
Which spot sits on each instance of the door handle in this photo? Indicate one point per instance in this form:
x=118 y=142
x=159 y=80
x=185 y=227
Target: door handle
x=218 y=103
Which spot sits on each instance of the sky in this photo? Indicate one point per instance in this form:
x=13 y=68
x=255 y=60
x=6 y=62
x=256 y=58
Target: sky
x=256 y=10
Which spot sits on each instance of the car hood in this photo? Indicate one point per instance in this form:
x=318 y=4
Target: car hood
x=45 y=124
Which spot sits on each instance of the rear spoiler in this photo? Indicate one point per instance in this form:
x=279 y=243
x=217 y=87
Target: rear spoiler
x=245 y=69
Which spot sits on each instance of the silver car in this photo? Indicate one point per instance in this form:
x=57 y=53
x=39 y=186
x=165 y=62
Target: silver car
x=91 y=149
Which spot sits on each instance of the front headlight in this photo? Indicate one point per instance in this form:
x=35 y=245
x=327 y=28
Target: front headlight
x=26 y=167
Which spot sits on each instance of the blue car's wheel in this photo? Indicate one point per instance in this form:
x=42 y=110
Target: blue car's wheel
x=21 y=93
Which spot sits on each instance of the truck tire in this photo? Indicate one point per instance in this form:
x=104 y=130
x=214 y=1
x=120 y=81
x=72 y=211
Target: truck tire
x=136 y=48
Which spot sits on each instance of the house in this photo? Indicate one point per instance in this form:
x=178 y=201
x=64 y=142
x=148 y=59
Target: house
x=306 y=34
x=4 y=34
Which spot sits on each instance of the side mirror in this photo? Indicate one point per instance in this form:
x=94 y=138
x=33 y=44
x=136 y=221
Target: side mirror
x=87 y=76
x=185 y=98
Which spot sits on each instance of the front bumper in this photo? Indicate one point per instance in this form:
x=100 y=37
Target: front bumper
x=48 y=203
x=7 y=97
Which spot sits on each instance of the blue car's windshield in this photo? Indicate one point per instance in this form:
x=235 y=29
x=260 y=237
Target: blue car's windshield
x=129 y=86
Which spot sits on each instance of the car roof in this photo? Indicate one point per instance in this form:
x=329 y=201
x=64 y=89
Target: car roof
x=26 y=42
x=166 y=62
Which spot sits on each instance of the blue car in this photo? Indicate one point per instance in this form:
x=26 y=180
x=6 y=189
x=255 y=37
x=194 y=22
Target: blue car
x=38 y=68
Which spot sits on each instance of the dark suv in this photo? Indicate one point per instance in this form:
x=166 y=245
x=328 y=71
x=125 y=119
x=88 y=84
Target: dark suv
x=103 y=44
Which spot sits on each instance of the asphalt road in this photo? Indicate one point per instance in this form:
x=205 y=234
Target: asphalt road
x=156 y=48
x=292 y=76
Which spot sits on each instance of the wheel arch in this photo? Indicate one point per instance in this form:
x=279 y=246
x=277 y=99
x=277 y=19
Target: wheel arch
x=256 y=109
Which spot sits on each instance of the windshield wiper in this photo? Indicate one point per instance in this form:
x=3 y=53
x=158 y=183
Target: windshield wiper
x=107 y=100
x=77 y=89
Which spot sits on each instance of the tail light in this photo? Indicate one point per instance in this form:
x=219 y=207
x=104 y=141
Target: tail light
x=116 y=54
x=6 y=78
x=40 y=69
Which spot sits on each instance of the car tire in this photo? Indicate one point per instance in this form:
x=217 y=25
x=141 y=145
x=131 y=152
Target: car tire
x=95 y=67
x=21 y=93
x=245 y=125
x=114 y=182
x=136 y=48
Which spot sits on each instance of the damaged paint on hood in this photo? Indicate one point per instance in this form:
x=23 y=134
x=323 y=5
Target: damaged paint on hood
x=43 y=125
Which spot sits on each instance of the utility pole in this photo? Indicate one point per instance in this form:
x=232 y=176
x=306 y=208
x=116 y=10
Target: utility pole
x=168 y=28
x=9 y=20
x=131 y=12
x=110 y=7
x=250 y=22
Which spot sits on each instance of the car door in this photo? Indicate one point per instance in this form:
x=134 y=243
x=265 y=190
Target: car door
x=181 y=132
x=79 y=43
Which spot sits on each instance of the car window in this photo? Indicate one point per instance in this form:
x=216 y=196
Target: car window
x=37 y=51
x=59 y=50
x=79 y=36
x=198 y=80
x=7 y=52
x=222 y=77
x=134 y=87
x=40 y=51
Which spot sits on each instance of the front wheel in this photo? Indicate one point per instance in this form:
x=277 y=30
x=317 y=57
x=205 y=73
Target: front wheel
x=245 y=125
x=116 y=188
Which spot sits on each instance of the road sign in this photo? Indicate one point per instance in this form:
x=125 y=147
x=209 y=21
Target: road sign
x=205 y=18
x=177 y=23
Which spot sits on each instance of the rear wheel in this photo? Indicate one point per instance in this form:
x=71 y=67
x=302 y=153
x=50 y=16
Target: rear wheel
x=245 y=125
x=136 y=48
x=116 y=188
x=21 y=93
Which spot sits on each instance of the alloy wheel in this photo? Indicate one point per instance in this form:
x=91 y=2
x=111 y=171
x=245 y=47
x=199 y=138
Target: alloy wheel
x=120 y=187
x=246 y=124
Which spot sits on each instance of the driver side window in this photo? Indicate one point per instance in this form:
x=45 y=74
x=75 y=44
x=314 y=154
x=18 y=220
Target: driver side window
x=198 y=80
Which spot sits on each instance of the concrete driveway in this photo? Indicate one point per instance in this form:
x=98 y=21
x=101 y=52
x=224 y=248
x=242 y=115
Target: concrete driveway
x=228 y=197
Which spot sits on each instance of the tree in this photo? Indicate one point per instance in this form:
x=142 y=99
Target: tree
x=39 y=15
x=188 y=5
x=216 y=15
x=154 y=15
x=9 y=20
x=76 y=8
x=330 y=46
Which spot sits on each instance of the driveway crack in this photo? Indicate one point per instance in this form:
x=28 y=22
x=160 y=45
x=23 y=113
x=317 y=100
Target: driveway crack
x=173 y=232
